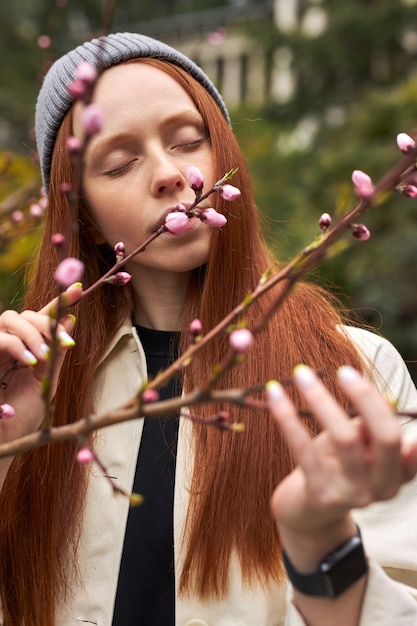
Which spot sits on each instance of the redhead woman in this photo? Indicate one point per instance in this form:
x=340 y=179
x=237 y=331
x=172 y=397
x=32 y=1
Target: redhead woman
x=281 y=524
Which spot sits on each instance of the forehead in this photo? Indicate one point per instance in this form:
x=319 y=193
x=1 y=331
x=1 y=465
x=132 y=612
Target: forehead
x=140 y=82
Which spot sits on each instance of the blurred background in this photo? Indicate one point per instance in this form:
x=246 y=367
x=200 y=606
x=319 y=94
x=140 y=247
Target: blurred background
x=316 y=89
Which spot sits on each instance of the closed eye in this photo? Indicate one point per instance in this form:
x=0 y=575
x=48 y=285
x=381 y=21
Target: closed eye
x=120 y=170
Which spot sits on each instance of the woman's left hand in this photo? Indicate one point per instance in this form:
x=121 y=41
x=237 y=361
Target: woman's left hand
x=350 y=464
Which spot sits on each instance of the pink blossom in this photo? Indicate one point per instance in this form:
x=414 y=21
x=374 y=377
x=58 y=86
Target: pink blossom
x=44 y=41
x=86 y=73
x=119 y=250
x=178 y=223
x=195 y=179
x=405 y=143
x=364 y=187
x=241 y=339
x=360 y=231
x=43 y=202
x=58 y=239
x=77 y=89
x=17 y=216
x=69 y=271
x=85 y=455
x=66 y=188
x=228 y=192
x=195 y=327
x=150 y=395
x=216 y=36
x=325 y=221
x=92 y=119
x=74 y=145
x=410 y=191
x=212 y=218
x=6 y=411
x=35 y=210
x=119 y=279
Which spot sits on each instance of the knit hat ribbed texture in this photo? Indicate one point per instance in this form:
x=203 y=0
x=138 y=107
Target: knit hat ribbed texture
x=54 y=99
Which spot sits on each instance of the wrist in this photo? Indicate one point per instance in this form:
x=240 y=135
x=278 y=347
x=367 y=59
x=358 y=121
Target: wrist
x=339 y=570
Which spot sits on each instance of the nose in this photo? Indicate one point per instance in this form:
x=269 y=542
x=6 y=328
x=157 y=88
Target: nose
x=167 y=176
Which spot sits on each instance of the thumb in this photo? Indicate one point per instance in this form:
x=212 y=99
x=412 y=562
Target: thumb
x=68 y=297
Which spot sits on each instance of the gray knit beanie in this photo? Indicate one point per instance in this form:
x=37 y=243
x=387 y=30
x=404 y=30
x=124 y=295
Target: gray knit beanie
x=54 y=99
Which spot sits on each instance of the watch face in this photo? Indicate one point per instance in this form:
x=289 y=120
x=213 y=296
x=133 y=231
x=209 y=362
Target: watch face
x=344 y=567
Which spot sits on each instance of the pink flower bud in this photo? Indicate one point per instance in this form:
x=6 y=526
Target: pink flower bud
x=74 y=145
x=17 y=216
x=85 y=455
x=363 y=184
x=178 y=223
x=325 y=221
x=58 y=239
x=228 y=192
x=43 y=202
x=6 y=411
x=69 y=271
x=150 y=395
x=119 y=250
x=119 y=279
x=77 y=89
x=86 y=73
x=92 y=119
x=195 y=179
x=410 y=191
x=212 y=218
x=36 y=210
x=66 y=188
x=241 y=339
x=44 y=42
x=360 y=231
x=406 y=143
x=196 y=327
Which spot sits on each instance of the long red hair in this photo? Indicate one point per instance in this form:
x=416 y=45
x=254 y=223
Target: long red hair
x=44 y=493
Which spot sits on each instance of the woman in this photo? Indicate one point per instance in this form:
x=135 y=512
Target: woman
x=70 y=552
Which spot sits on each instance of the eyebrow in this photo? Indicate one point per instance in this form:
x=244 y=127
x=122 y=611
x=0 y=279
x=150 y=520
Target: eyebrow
x=187 y=116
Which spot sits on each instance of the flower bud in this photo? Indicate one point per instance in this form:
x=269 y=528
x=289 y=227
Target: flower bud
x=85 y=455
x=228 y=192
x=6 y=411
x=195 y=179
x=195 y=328
x=406 y=143
x=74 y=145
x=77 y=89
x=325 y=222
x=86 y=73
x=410 y=191
x=36 y=210
x=360 y=231
x=69 y=271
x=150 y=395
x=92 y=119
x=58 y=240
x=212 y=218
x=363 y=184
x=17 y=216
x=119 y=250
x=178 y=223
x=119 y=279
x=241 y=339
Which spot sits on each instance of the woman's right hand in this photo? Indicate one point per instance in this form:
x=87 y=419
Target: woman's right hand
x=25 y=340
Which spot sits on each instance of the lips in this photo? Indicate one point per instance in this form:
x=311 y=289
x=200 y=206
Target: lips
x=171 y=209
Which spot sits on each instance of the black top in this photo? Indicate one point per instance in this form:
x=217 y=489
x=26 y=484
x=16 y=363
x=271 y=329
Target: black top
x=146 y=588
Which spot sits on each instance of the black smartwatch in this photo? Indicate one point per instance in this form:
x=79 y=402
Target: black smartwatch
x=336 y=573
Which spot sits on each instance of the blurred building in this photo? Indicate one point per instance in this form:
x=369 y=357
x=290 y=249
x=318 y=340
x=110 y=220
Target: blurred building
x=228 y=44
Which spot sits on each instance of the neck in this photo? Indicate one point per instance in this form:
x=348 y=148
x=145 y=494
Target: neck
x=159 y=299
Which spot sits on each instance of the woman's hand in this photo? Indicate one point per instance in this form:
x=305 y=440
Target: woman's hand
x=25 y=341
x=350 y=464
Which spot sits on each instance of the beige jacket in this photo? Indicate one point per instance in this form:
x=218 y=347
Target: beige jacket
x=389 y=529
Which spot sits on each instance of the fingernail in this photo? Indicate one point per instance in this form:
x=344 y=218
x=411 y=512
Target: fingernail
x=66 y=339
x=44 y=348
x=274 y=390
x=73 y=317
x=304 y=375
x=30 y=357
x=73 y=286
x=348 y=374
